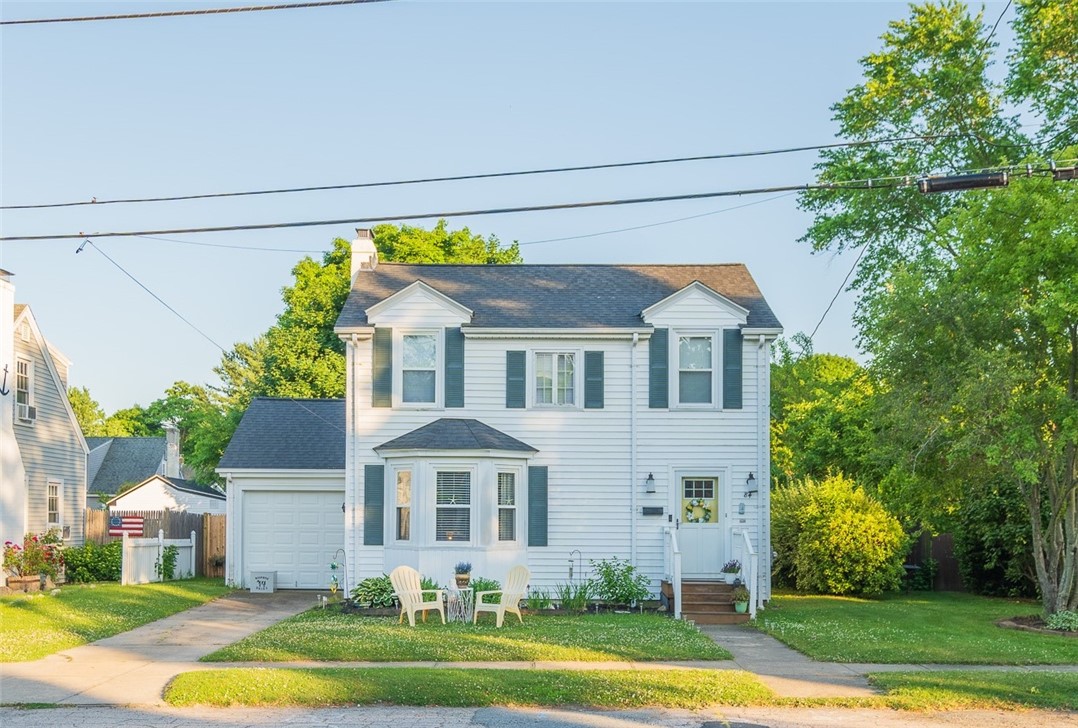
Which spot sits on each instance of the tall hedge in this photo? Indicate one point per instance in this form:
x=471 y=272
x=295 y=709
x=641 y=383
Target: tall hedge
x=830 y=537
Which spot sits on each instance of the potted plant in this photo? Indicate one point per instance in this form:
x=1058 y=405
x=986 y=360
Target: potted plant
x=462 y=572
x=740 y=595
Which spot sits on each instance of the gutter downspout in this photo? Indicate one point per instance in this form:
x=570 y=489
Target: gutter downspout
x=351 y=491
x=632 y=449
x=763 y=493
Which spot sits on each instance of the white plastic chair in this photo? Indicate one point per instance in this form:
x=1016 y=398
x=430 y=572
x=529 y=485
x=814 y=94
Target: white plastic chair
x=516 y=583
x=410 y=591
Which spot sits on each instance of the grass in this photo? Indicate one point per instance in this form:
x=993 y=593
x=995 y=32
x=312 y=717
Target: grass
x=466 y=687
x=331 y=636
x=925 y=628
x=35 y=625
x=689 y=689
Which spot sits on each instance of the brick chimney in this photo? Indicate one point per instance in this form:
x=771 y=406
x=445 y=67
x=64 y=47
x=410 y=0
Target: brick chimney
x=364 y=254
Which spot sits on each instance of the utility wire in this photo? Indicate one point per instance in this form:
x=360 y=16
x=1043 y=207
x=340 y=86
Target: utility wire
x=186 y=13
x=233 y=247
x=487 y=175
x=450 y=214
x=841 y=288
x=200 y=332
x=993 y=32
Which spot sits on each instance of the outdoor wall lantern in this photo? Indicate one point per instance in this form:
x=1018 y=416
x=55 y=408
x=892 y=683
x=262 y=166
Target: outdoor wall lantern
x=750 y=485
x=649 y=484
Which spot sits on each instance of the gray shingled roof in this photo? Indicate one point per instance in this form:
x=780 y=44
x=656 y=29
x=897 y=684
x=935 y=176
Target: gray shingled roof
x=126 y=460
x=456 y=434
x=288 y=434
x=190 y=486
x=557 y=296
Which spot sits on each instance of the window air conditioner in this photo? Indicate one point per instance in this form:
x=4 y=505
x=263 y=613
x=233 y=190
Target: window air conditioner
x=26 y=413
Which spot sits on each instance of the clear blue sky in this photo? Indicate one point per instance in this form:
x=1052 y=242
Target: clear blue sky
x=380 y=92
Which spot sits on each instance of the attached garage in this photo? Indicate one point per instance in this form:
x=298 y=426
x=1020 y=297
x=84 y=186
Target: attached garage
x=284 y=474
x=294 y=533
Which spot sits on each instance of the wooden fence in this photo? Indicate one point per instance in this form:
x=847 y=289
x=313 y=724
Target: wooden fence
x=940 y=548
x=209 y=533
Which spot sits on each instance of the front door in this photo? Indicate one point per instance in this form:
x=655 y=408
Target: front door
x=700 y=532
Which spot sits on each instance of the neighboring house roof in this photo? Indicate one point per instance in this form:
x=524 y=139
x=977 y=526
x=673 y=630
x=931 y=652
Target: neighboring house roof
x=288 y=434
x=186 y=486
x=557 y=296
x=18 y=309
x=456 y=434
x=122 y=460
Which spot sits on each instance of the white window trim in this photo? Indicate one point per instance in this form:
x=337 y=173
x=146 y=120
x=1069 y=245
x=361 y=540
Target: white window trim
x=474 y=505
x=716 y=369
x=398 y=368
x=31 y=382
x=578 y=378
x=59 y=522
x=412 y=514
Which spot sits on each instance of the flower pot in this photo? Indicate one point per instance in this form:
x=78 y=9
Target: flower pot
x=741 y=607
x=24 y=583
x=462 y=580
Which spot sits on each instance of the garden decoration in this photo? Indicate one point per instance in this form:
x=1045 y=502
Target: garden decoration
x=462 y=573
x=334 y=582
x=732 y=566
x=740 y=595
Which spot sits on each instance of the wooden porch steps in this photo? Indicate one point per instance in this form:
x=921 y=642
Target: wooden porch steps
x=708 y=602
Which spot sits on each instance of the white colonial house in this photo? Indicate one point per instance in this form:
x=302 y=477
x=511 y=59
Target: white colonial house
x=544 y=415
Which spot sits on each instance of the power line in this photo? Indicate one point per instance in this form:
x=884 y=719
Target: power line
x=486 y=175
x=993 y=33
x=183 y=318
x=841 y=288
x=233 y=247
x=187 y=13
x=450 y=214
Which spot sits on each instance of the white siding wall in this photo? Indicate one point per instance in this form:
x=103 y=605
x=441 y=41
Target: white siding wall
x=587 y=450
x=156 y=496
x=50 y=447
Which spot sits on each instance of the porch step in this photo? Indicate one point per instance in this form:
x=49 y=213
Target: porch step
x=708 y=602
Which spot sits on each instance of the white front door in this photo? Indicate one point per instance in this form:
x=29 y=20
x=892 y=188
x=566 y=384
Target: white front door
x=700 y=532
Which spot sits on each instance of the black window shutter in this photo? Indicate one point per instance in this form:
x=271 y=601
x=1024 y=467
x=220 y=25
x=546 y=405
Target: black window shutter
x=374 y=490
x=537 y=505
x=514 y=379
x=731 y=369
x=382 y=369
x=454 y=368
x=659 y=369
x=593 y=380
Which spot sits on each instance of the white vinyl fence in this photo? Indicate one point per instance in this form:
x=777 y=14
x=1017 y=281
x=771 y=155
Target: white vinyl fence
x=142 y=558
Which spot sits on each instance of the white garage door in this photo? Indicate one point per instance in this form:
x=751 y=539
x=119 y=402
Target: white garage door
x=294 y=533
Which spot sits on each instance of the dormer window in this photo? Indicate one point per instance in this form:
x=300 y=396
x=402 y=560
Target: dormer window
x=696 y=369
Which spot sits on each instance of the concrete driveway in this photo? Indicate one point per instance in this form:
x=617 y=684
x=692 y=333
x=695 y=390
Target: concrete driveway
x=134 y=667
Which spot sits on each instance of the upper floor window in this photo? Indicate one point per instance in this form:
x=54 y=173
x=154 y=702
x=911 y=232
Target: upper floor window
x=696 y=369
x=555 y=378
x=24 y=391
x=53 y=500
x=419 y=371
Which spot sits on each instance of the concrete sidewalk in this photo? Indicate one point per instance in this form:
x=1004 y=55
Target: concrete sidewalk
x=134 y=667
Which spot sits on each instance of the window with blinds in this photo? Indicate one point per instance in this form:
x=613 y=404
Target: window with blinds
x=507 y=507
x=404 y=505
x=453 y=506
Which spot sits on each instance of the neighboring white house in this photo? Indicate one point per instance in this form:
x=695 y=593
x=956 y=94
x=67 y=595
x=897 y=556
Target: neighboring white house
x=42 y=451
x=520 y=414
x=164 y=493
x=116 y=463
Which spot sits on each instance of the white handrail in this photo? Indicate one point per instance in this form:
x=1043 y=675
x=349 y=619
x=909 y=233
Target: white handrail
x=672 y=552
x=750 y=565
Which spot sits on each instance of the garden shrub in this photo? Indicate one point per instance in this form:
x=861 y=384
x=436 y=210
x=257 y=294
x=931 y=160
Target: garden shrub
x=376 y=591
x=94 y=562
x=618 y=582
x=833 y=538
x=39 y=554
x=1065 y=620
x=480 y=583
x=924 y=578
x=574 y=597
x=993 y=542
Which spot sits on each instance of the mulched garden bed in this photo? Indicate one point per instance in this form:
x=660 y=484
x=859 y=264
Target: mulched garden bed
x=1032 y=623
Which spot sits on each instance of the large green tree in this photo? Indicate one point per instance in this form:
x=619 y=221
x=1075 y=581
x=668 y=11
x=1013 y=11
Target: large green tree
x=968 y=302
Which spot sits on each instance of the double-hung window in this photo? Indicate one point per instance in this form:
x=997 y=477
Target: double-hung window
x=507 y=507
x=696 y=369
x=24 y=390
x=53 y=495
x=453 y=505
x=404 y=505
x=419 y=370
x=555 y=379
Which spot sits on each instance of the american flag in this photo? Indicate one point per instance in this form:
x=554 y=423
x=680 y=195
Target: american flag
x=131 y=525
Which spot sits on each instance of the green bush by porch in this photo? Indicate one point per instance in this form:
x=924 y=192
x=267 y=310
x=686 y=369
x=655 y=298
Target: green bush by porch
x=329 y=635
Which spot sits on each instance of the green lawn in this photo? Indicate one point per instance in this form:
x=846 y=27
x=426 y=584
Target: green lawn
x=940 y=628
x=35 y=625
x=328 y=635
x=690 y=689
x=457 y=687
x=980 y=690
